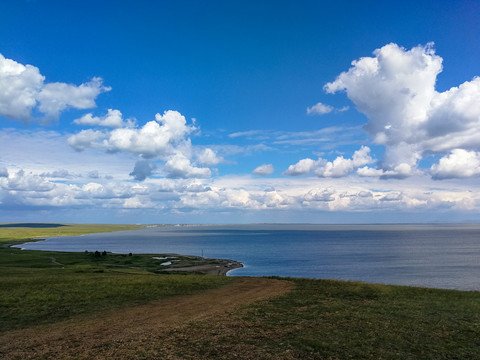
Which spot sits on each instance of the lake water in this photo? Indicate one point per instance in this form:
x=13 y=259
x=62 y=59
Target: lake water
x=431 y=255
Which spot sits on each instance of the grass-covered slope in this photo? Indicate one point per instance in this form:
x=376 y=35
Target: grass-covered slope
x=45 y=286
x=316 y=319
x=323 y=319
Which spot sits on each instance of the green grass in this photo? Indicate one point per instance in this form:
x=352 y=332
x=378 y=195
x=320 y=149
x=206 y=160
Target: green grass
x=45 y=286
x=324 y=319
x=34 y=296
x=319 y=319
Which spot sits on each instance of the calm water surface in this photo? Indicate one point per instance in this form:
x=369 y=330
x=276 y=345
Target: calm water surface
x=437 y=255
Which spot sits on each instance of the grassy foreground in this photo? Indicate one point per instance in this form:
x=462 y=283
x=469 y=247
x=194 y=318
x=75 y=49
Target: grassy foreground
x=317 y=319
x=323 y=319
x=38 y=287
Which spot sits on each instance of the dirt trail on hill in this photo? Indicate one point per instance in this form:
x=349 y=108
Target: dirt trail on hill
x=121 y=334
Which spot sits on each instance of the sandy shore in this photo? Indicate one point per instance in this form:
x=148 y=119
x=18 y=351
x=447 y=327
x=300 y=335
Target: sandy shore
x=220 y=267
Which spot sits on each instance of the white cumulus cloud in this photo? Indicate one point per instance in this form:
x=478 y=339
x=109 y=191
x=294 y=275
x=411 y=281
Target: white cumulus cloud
x=166 y=138
x=208 y=157
x=302 y=167
x=179 y=166
x=19 y=88
x=320 y=195
x=319 y=109
x=263 y=170
x=85 y=139
x=22 y=181
x=339 y=167
x=136 y=203
x=56 y=97
x=395 y=89
x=112 y=119
x=23 y=88
x=458 y=164
x=155 y=138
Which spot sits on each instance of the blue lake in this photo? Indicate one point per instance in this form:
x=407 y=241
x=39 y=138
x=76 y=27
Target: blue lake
x=432 y=255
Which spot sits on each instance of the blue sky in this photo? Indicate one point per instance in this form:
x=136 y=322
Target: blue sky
x=239 y=111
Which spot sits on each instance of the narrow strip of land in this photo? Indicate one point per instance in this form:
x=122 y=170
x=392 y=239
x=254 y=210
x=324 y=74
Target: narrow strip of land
x=223 y=267
x=107 y=335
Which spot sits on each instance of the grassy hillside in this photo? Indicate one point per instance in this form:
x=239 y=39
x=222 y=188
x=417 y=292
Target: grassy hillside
x=316 y=319
x=45 y=286
x=323 y=319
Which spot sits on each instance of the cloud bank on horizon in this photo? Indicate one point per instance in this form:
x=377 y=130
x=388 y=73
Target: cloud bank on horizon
x=116 y=163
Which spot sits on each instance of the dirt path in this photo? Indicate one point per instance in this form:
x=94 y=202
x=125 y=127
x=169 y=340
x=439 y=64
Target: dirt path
x=54 y=261
x=123 y=333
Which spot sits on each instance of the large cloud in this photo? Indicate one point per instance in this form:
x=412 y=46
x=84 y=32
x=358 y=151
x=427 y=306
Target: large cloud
x=395 y=89
x=22 y=89
x=19 y=88
x=155 y=138
x=166 y=138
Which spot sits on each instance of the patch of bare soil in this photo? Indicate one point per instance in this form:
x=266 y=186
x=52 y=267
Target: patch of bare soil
x=140 y=332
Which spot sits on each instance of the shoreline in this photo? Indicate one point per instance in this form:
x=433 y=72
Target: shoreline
x=207 y=266
x=220 y=269
x=197 y=264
